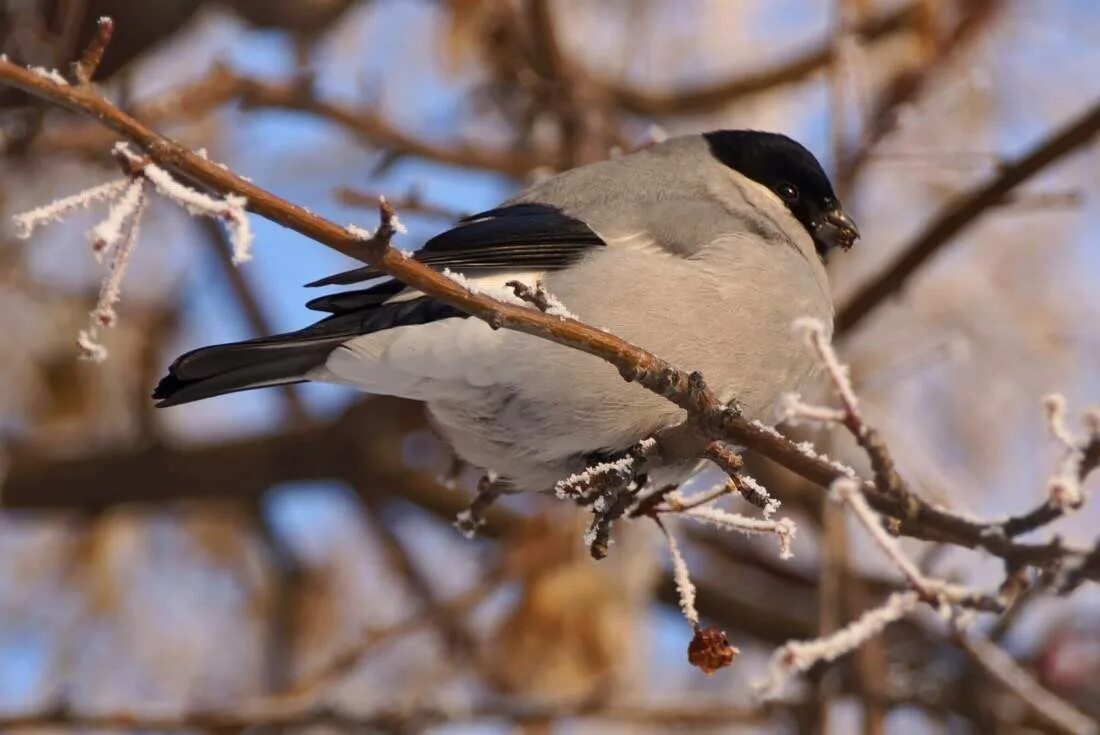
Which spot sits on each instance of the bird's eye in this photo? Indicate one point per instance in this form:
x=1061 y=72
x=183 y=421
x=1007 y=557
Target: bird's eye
x=788 y=191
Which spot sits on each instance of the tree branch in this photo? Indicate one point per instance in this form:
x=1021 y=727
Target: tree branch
x=962 y=213
x=710 y=97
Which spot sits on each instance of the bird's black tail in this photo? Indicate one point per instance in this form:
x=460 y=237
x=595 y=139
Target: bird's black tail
x=289 y=357
x=228 y=368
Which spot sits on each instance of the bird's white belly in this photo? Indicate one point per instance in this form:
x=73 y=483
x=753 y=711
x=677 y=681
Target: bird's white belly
x=532 y=410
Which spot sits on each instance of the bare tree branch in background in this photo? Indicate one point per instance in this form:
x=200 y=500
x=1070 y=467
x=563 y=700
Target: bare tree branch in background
x=962 y=213
x=708 y=98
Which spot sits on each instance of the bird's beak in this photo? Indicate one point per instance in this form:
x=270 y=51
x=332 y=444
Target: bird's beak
x=836 y=229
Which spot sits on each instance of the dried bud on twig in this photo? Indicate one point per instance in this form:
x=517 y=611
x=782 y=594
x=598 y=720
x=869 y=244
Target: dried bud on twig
x=710 y=650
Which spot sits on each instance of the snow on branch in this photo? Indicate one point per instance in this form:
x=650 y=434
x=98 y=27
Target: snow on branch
x=542 y=299
x=52 y=74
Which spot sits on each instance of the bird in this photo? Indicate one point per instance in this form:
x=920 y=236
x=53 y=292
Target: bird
x=703 y=249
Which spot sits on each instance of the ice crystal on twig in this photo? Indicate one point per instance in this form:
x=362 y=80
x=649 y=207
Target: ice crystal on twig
x=582 y=485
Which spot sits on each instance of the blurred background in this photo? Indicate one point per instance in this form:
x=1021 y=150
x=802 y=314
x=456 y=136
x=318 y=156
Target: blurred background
x=291 y=550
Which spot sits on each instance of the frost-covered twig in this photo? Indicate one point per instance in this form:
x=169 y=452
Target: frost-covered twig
x=937 y=592
x=817 y=338
x=1064 y=490
x=887 y=479
x=685 y=588
x=709 y=649
x=756 y=494
x=784 y=528
x=122 y=237
x=675 y=502
x=798 y=656
x=27 y=222
x=230 y=209
x=588 y=484
x=794 y=411
x=109 y=232
x=117 y=231
x=849 y=493
x=609 y=489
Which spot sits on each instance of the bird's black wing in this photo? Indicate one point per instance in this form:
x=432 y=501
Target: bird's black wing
x=514 y=237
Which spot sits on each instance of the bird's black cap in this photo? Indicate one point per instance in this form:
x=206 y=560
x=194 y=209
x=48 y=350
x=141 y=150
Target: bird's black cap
x=787 y=168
